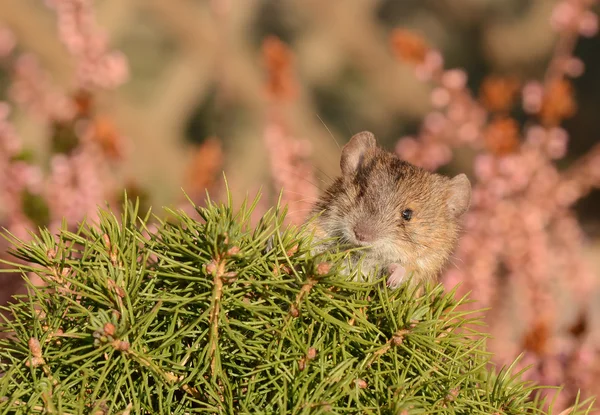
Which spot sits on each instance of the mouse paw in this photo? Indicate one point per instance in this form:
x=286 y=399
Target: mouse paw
x=397 y=274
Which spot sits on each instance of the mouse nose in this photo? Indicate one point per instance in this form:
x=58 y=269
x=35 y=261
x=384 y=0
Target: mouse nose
x=364 y=233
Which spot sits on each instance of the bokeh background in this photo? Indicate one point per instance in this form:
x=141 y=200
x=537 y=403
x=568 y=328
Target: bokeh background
x=153 y=96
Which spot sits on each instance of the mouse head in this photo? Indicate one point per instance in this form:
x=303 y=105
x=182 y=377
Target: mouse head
x=402 y=213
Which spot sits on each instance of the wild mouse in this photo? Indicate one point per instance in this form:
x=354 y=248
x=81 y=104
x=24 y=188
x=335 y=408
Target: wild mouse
x=406 y=218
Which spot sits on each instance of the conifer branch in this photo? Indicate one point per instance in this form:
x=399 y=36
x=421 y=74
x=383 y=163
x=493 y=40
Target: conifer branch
x=217 y=269
x=200 y=317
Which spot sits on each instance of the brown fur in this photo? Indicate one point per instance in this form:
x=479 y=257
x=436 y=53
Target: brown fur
x=373 y=191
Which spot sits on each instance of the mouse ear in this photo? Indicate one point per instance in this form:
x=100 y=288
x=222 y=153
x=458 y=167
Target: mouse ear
x=353 y=152
x=459 y=198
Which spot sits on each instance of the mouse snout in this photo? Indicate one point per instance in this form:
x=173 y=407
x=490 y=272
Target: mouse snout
x=363 y=232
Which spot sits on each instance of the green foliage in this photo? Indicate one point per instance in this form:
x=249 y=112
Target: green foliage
x=201 y=317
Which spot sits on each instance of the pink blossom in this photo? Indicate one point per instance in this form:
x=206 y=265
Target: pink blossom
x=535 y=136
x=97 y=66
x=468 y=132
x=458 y=111
x=563 y=15
x=572 y=15
x=32 y=89
x=430 y=67
x=10 y=145
x=556 y=145
x=7 y=42
x=485 y=168
x=588 y=24
x=407 y=148
x=435 y=122
x=573 y=67
x=440 y=97
x=454 y=79
x=291 y=171
x=533 y=93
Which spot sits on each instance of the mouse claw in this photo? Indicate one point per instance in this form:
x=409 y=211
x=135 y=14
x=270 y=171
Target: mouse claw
x=397 y=273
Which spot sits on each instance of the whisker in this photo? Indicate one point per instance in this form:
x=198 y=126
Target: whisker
x=309 y=199
x=297 y=193
x=329 y=131
x=455 y=262
x=348 y=125
x=298 y=210
x=323 y=173
x=309 y=205
x=302 y=177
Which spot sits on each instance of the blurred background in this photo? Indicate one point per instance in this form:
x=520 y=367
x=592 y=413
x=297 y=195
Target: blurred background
x=153 y=96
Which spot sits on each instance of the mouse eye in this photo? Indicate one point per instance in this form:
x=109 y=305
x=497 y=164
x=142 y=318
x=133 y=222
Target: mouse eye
x=407 y=214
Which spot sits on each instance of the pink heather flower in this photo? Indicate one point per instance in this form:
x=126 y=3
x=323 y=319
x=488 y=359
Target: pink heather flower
x=552 y=142
x=7 y=42
x=594 y=170
x=10 y=145
x=485 y=168
x=535 y=136
x=563 y=15
x=567 y=193
x=76 y=186
x=573 y=67
x=108 y=71
x=588 y=24
x=440 y=154
x=97 y=67
x=506 y=166
x=458 y=120
x=434 y=122
x=469 y=132
x=440 y=97
x=427 y=154
x=434 y=60
x=433 y=64
x=570 y=15
x=292 y=172
x=533 y=94
x=556 y=145
x=32 y=89
x=458 y=111
x=498 y=188
x=454 y=79
x=407 y=148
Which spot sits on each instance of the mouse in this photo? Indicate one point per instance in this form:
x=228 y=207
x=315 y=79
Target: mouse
x=404 y=220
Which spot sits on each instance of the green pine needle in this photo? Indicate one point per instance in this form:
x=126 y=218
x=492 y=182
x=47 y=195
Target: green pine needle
x=208 y=316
